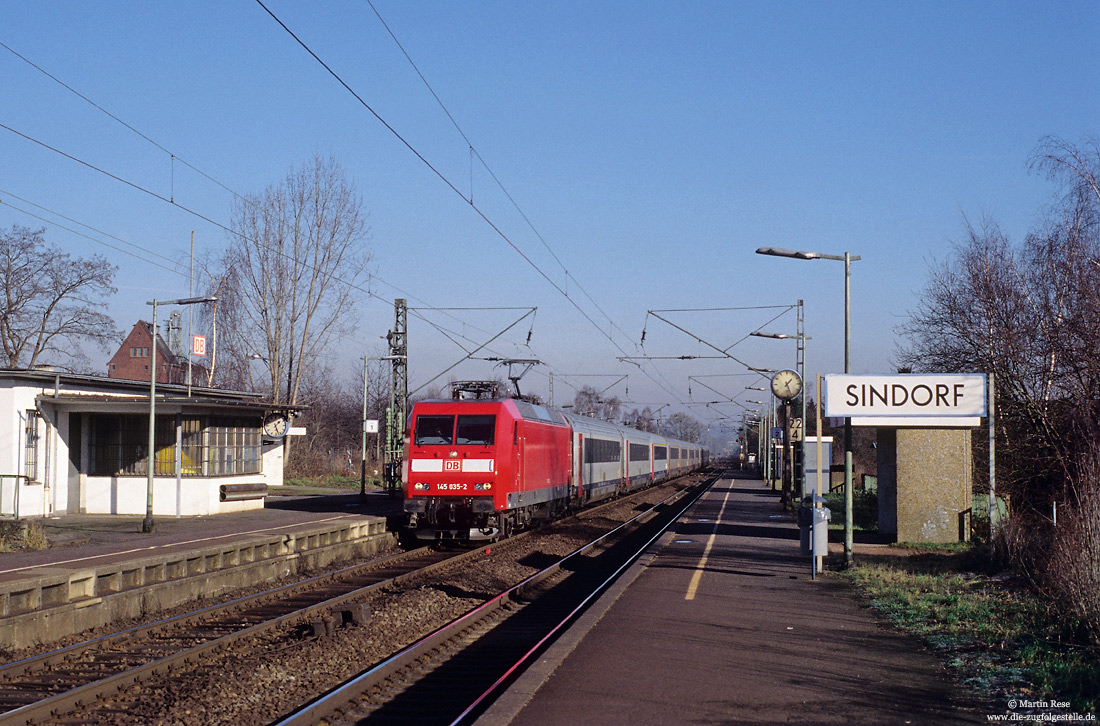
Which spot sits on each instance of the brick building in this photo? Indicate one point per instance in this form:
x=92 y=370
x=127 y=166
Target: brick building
x=131 y=361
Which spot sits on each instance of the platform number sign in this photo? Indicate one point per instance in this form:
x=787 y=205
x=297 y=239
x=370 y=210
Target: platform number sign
x=452 y=465
x=198 y=345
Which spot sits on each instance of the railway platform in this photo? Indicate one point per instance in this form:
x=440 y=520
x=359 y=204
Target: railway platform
x=109 y=563
x=720 y=622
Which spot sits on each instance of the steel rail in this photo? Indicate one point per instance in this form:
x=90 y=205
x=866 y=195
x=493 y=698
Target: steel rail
x=87 y=693
x=493 y=690
x=51 y=706
x=338 y=698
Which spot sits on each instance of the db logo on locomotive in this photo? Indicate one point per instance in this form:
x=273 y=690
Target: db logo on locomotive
x=452 y=465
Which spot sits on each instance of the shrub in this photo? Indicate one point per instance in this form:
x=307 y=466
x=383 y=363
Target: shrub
x=1074 y=568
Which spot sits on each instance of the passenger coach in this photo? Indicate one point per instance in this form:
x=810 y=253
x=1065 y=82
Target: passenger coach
x=481 y=469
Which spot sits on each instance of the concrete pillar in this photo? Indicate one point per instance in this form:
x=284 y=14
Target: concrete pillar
x=925 y=483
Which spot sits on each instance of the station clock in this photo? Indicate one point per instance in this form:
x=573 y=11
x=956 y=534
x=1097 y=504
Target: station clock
x=786 y=384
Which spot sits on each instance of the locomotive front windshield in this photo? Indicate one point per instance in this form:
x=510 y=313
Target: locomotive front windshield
x=435 y=430
x=476 y=430
x=441 y=430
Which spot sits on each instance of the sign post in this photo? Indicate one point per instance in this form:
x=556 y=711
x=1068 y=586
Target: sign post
x=923 y=445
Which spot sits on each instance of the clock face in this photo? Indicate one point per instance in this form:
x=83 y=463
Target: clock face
x=275 y=425
x=786 y=384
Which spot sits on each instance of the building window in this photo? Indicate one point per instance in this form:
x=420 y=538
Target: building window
x=30 y=457
x=232 y=446
x=118 y=445
x=191 y=455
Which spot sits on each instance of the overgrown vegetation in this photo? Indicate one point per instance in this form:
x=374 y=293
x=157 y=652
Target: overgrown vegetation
x=331 y=482
x=999 y=634
x=22 y=535
x=1030 y=314
x=864 y=510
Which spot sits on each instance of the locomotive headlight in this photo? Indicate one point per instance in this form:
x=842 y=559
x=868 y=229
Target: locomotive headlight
x=421 y=487
x=483 y=487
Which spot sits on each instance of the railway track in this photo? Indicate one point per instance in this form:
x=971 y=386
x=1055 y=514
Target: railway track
x=452 y=675
x=36 y=689
x=116 y=678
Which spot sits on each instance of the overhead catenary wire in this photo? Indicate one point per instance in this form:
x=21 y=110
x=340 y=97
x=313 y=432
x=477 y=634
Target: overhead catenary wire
x=171 y=266
x=500 y=185
x=172 y=201
x=451 y=186
x=442 y=177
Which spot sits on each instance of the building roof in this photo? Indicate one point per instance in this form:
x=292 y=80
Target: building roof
x=77 y=388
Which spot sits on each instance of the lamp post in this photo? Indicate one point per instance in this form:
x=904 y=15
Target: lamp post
x=147 y=523
x=800 y=359
x=847 y=258
x=765 y=454
x=363 y=463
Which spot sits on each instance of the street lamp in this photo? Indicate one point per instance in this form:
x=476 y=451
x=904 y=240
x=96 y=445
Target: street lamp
x=800 y=358
x=363 y=463
x=147 y=523
x=847 y=258
x=764 y=450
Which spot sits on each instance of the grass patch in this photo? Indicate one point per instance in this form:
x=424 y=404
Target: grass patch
x=1000 y=637
x=864 y=510
x=331 y=482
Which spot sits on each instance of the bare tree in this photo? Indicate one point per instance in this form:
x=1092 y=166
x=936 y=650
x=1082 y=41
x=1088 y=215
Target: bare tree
x=1029 y=313
x=641 y=420
x=51 y=301
x=589 y=402
x=289 y=280
x=684 y=427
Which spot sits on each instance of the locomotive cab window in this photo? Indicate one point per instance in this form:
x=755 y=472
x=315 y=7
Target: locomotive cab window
x=476 y=430
x=435 y=430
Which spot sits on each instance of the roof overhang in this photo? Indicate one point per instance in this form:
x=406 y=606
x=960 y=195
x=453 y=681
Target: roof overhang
x=101 y=394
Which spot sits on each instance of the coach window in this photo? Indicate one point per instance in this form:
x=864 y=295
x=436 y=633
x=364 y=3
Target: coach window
x=476 y=430
x=435 y=430
x=600 y=451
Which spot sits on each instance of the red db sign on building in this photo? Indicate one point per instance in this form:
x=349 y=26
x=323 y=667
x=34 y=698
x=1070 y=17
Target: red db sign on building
x=198 y=345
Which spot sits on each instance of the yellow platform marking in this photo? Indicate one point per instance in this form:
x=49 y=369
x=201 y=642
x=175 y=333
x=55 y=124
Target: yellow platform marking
x=698 y=574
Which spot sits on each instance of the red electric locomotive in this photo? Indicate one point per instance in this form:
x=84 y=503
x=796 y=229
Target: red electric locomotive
x=478 y=470
x=481 y=469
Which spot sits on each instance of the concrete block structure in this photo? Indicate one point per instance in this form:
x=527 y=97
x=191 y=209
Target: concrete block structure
x=925 y=480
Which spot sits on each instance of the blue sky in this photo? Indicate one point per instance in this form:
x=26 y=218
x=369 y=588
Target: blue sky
x=653 y=146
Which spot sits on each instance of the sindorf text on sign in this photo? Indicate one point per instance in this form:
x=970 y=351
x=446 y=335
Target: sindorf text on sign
x=905 y=395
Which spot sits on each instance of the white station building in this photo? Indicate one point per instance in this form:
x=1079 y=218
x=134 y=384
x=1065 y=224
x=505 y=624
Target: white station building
x=74 y=444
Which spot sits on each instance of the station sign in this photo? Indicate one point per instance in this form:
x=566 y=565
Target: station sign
x=906 y=395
